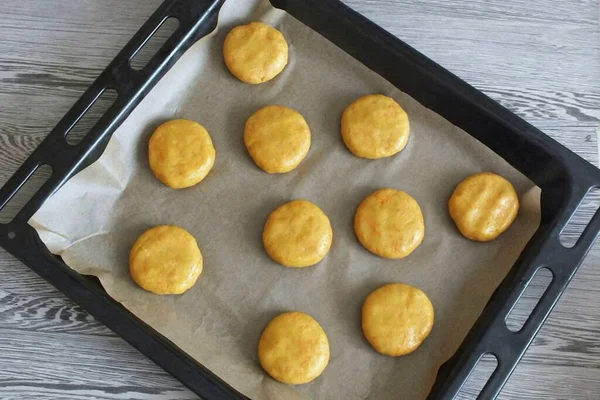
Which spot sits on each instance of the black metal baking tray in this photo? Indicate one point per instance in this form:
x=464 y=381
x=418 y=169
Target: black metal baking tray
x=564 y=178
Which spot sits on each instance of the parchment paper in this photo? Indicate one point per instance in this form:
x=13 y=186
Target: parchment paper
x=95 y=218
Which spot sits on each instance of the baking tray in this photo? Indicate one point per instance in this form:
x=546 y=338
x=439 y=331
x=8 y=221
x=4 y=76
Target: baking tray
x=564 y=178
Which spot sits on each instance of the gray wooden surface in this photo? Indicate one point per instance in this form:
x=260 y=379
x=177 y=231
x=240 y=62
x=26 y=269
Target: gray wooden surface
x=540 y=58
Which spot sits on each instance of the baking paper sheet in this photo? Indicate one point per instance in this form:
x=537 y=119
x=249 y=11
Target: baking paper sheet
x=93 y=221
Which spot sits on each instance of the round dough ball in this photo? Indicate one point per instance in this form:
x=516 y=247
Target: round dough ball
x=293 y=348
x=165 y=260
x=397 y=318
x=389 y=223
x=181 y=153
x=375 y=126
x=277 y=138
x=255 y=53
x=297 y=234
x=483 y=206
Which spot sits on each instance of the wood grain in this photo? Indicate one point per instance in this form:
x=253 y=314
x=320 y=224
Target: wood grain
x=539 y=58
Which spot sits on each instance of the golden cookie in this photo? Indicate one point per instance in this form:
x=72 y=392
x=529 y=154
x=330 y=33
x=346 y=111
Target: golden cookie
x=389 y=223
x=165 y=260
x=397 y=318
x=293 y=348
x=483 y=206
x=277 y=138
x=255 y=53
x=375 y=126
x=297 y=234
x=181 y=153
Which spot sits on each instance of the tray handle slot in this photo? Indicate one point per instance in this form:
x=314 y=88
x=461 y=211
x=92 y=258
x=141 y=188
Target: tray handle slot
x=530 y=297
x=89 y=117
x=29 y=183
x=16 y=182
x=579 y=220
x=195 y=19
x=148 y=50
x=591 y=231
x=479 y=376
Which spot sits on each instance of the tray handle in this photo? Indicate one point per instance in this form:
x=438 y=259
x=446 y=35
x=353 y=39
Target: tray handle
x=490 y=334
x=196 y=19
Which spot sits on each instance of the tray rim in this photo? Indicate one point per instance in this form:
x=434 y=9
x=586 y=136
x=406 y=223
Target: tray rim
x=562 y=191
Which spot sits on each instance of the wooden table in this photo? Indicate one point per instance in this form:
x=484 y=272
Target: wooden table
x=540 y=58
